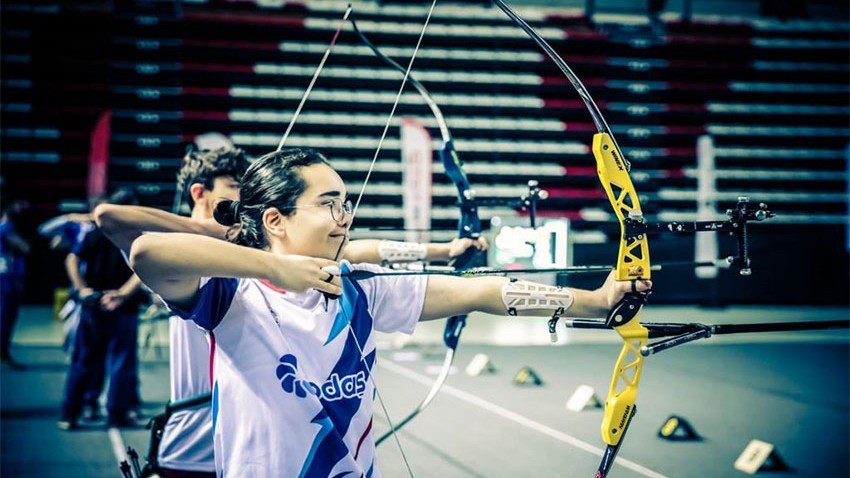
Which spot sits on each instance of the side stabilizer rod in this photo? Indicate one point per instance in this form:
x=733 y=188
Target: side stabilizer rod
x=682 y=333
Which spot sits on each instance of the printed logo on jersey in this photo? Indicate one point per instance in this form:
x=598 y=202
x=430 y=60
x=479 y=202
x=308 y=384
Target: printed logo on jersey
x=335 y=388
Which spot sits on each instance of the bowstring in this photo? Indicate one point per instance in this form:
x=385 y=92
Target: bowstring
x=354 y=214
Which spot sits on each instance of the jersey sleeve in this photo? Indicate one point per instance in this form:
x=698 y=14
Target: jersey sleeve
x=82 y=247
x=212 y=302
x=396 y=301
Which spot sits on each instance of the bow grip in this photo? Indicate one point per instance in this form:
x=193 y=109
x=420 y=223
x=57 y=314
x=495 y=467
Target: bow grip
x=466 y=260
x=626 y=309
x=454 y=326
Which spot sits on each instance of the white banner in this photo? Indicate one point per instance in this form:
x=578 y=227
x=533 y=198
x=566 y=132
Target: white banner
x=706 y=247
x=416 y=159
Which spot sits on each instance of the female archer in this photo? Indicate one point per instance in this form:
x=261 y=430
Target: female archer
x=292 y=372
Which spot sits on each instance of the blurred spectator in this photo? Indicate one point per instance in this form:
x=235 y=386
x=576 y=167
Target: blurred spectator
x=13 y=248
x=64 y=233
x=106 y=339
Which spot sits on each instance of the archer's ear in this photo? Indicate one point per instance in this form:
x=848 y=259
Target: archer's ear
x=273 y=222
x=197 y=191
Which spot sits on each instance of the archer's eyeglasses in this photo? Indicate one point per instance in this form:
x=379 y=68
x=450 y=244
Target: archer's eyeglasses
x=339 y=209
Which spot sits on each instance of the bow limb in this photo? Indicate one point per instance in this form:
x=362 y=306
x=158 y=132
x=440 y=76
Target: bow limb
x=632 y=260
x=426 y=95
x=469 y=226
x=595 y=113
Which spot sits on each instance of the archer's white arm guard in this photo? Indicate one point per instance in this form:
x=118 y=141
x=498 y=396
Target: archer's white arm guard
x=392 y=252
x=523 y=295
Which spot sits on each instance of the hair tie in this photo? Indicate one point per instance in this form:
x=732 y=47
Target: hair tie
x=226 y=212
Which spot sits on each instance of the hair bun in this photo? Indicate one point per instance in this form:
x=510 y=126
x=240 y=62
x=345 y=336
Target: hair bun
x=227 y=212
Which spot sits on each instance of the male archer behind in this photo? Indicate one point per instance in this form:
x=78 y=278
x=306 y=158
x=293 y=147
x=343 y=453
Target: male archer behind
x=205 y=177
x=186 y=449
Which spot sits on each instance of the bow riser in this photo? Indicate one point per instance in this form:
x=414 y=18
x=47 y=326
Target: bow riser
x=633 y=257
x=469 y=226
x=632 y=264
x=632 y=260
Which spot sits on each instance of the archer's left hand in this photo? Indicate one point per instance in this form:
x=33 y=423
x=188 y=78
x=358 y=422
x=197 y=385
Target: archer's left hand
x=614 y=290
x=461 y=244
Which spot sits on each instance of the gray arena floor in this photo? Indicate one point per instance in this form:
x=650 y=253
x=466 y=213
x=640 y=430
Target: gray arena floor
x=788 y=389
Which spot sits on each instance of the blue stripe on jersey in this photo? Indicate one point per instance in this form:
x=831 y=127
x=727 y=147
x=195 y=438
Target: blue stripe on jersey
x=211 y=303
x=311 y=466
x=330 y=448
x=351 y=294
x=341 y=320
x=371 y=469
x=353 y=306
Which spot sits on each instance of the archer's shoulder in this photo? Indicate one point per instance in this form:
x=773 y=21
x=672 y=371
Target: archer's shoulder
x=346 y=266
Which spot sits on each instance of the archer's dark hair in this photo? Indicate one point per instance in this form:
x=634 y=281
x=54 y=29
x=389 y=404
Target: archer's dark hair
x=204 y=166
x=273 y=180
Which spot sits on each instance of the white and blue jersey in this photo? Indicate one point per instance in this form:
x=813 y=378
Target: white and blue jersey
x=292 y=392
x=187 y=440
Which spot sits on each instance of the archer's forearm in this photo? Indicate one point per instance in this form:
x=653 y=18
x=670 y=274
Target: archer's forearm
x=72 y=268
x=438 y=251
x=447 y=296
x=369 y=250
x=131 y=286
x=363 y=250
x=124 y=224
x=590 y=304
x=164 y=257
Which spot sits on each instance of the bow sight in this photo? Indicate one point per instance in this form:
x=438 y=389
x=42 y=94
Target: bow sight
x=736 y=225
